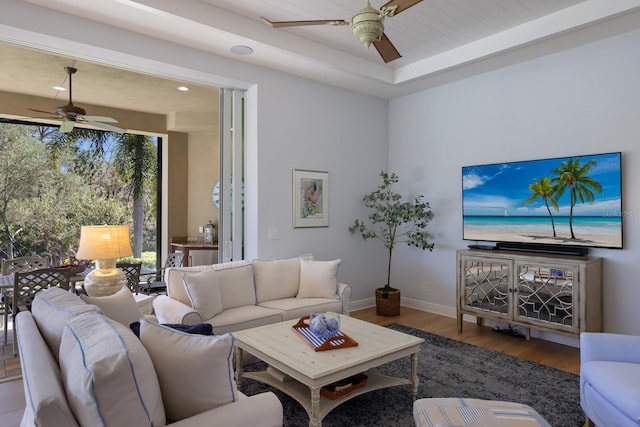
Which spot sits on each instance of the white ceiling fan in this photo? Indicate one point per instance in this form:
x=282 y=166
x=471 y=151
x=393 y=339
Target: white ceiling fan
x=72 y=114
x=367 y=25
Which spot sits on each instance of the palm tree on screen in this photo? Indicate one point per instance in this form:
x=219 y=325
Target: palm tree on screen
x=544 y=189
x=572 y=176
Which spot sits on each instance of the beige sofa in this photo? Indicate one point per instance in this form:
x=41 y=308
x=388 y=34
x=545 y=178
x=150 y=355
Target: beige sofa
x=81 y=368
x=243 y=294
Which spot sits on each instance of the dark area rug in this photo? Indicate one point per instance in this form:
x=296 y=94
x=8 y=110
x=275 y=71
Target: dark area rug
x=449 y=368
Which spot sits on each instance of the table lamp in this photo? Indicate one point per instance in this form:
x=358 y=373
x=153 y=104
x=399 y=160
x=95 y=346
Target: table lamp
x=104 y=244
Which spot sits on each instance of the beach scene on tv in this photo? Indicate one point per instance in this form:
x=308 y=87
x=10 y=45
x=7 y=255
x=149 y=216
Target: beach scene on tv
x=573 y=201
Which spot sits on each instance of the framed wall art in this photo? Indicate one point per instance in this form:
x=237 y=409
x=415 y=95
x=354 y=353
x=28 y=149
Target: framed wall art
x=310 y=198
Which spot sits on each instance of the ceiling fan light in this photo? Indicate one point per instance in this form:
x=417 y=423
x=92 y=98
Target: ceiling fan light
x=368 y=25
x=368 y=32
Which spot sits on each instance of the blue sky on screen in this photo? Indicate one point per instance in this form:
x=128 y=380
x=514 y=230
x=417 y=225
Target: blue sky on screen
x=501 y=189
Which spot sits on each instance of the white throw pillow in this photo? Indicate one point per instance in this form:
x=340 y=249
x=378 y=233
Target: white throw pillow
x=203 y=290
x=318 y=279
x=51 y=309
x=195 y=371
x=121 y=306
x=108 y=375
x=276 y=279
x=236 y=286
x=175 y=284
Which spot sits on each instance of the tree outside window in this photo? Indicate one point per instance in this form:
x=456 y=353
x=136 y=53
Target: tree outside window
x=51 y=184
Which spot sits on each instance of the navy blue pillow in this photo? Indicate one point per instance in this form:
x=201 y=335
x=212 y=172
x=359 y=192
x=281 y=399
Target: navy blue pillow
x=197 y=329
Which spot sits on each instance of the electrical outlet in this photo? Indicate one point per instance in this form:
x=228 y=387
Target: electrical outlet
x=201 y=229
x=272 y=234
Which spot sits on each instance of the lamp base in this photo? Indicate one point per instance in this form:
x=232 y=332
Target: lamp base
x=104 y=282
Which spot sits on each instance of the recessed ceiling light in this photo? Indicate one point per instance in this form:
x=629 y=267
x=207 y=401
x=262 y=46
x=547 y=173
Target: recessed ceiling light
x=59 y=88
x=183 y=89
x=241 y=50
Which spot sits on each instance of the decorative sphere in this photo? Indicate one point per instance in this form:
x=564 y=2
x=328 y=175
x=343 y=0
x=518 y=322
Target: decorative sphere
x=318 y=324
x=333 y=324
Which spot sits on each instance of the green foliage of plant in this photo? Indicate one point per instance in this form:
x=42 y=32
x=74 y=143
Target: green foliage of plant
x=148 y=259
x=393 y=221
x=51 y=185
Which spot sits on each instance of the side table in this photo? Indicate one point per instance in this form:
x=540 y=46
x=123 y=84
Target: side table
x=145 y=303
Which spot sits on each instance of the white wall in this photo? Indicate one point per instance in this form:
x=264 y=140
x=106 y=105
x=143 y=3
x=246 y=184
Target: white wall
x=293 y=124
x=584 y=100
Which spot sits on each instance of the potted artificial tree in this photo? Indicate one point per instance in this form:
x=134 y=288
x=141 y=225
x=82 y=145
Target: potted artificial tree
x=392 y=222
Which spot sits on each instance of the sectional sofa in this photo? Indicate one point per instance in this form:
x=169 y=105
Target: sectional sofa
x=82 y=368
x=243 y=294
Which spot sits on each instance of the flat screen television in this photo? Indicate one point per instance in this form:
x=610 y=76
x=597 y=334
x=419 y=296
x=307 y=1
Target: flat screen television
x=570 y=202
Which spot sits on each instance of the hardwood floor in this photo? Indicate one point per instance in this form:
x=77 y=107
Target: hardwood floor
x=544 y=352
x=547 y=353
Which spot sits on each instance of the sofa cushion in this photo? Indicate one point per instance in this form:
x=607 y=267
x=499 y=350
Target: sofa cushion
x=318 y=279
x=121 y=306
x=276 y=279
x=51 y=309
x=175 y=284
x=46 y=403
x=236 y=286
x=203 y=290
x=244 y=317
x=108 y=375
x=174 y=278
x=295 y=308
x=195 y=371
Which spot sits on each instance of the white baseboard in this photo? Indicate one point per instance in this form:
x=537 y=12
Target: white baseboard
x=447 y=311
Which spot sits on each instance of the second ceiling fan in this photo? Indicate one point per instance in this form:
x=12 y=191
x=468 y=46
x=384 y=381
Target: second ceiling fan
x=72 y=114
x=367 y=25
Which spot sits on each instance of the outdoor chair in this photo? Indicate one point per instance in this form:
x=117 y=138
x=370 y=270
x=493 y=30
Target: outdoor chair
x=132 y=271
x=26 y=285
x=155 y=282
x=12 y=265
x=24 y=263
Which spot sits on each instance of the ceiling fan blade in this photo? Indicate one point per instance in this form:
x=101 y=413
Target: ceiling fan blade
x=98 y=119
x=402 y=5
x=66 y=126
x=281 y=24
x=41 y=111
x=105 y=126
x=386 y=49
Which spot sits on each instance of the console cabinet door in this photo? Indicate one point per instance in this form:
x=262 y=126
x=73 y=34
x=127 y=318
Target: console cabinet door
x=555 y=293
x=546 y=295
x=484 y=286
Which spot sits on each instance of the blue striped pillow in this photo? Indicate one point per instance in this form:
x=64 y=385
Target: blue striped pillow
x=108 y=375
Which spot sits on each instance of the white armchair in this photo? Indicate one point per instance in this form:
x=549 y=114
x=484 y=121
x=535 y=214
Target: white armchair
x=610 y=379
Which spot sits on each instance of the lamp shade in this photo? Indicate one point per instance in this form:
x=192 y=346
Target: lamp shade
x=104 y=242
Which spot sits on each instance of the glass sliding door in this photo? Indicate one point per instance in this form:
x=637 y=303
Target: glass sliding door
x=232 y=173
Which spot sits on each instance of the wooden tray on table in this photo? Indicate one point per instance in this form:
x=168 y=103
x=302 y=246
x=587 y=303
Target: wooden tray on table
x=339 y=340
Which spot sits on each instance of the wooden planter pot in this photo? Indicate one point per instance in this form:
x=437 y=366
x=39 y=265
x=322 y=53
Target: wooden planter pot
x=387 y=303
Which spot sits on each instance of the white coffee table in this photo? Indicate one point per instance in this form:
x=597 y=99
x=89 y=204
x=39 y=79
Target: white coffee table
x=282 y=348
